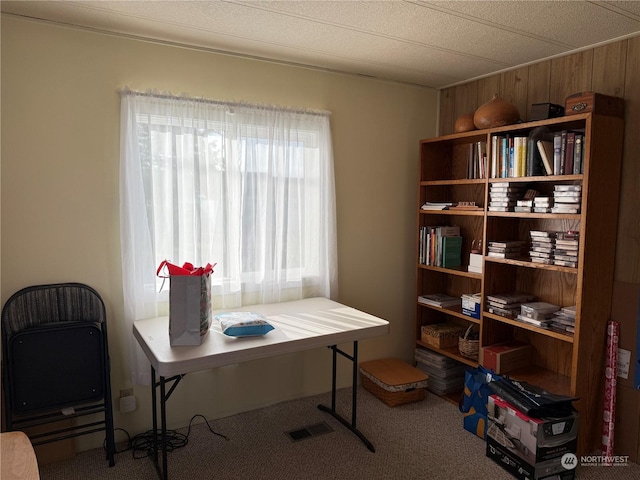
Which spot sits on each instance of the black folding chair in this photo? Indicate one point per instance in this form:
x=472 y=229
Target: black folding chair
x=56 y=363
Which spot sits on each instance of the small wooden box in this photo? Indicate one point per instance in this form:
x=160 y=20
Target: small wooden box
x=584 y=102
x=441 y=335
x=393 y=381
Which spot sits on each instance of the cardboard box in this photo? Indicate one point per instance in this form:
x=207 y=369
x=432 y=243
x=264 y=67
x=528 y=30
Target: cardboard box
x=471 y=305
x=530 y=448
x=507 y=356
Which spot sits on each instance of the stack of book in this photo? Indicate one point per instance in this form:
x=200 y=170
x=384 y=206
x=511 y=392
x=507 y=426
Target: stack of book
x=505 y=249
x=525 y=206
x=503 y=196
x=542 y=246
x=542 y=204
x=507 y=304
x=564 y=320
x=566 y=249
x=540 y=314
x=436 y=205
x=566 y=198
x=440 y=300
x=445 y=374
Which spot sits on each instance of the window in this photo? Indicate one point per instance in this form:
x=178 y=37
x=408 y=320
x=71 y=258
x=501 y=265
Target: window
x=249 y=188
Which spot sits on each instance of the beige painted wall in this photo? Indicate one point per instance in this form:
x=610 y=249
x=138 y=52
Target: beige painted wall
x=60 y=206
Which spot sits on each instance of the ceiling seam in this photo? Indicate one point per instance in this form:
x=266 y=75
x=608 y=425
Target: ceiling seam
x=498 y=26
x=615 y=9
x=369 y=32
x=202 y=48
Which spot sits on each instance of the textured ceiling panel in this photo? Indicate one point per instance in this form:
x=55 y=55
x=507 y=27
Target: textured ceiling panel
x=571 y=23
x=421 y=42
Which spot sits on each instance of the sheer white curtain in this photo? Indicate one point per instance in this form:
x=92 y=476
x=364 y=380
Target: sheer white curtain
x=250 y=188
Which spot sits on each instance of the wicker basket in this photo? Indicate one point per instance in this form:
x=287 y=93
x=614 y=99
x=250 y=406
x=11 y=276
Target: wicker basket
x=441 y=335
x=469 y=343
x=394 y=381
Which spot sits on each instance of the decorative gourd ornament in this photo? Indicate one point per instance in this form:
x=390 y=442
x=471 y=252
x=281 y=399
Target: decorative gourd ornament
x=464 y=123
x=497 y=112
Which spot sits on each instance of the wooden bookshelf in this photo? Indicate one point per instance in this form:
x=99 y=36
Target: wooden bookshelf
x=562 y=363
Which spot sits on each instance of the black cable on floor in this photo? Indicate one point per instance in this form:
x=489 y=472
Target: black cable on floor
x=143 y=442
x=141 y=445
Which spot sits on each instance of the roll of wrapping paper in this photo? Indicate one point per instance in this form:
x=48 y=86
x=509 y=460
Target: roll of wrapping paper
x=611 y=372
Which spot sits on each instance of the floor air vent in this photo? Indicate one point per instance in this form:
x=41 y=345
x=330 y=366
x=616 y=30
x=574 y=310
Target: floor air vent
x=309 y=431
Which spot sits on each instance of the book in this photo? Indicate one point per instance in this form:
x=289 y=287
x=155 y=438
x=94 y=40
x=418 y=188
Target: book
x=495 y=161
x=565 y=263
x=504 y=157
x=436 y=205
x=506 y=244
x=545 y=148
x=568 y=160
x=557 y=152
x=504 y=249
x=439 y=233
x=451 y=251
x=503 y=312
x=511 y=298
x=439 y=300
x=517 y=254
x=533 y=321
x=563 y=151
x=520 y=147
x=577 y=154
x=539 y=310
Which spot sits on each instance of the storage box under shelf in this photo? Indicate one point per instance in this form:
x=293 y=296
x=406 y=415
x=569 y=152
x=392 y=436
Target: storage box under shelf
x=393 y=381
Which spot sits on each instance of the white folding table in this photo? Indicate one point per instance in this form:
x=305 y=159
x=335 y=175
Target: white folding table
x=299 y=325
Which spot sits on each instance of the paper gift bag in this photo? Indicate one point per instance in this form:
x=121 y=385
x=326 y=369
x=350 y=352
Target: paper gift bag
x=189 y=303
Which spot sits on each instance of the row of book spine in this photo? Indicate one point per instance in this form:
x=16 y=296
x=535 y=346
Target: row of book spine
x=568 y=153
x=522 y=156
x=477 y=160
x=440 y=246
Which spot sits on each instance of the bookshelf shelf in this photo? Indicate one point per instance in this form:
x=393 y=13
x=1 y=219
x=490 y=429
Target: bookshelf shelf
x=531 y=328
x=469 y=213
x=555 y=216
x=451 y=352
x=561 y=363
x=453 y=312
x=529 y=264
x=464 y=181
x=451 y=271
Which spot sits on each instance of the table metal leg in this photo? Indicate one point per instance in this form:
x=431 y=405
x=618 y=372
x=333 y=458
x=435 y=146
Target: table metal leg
x=354 y=395
x=161 y=444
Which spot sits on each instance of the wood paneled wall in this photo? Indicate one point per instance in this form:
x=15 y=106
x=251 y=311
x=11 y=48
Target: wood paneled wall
x=612 y=69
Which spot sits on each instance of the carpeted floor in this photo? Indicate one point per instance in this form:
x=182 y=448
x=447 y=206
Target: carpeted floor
x=417 y=441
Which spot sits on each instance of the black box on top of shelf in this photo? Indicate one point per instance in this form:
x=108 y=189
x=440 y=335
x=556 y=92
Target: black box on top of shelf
x=542 y=111
x=531 y=448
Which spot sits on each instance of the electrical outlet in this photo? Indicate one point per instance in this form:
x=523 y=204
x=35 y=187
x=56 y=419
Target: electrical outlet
x=126 y=392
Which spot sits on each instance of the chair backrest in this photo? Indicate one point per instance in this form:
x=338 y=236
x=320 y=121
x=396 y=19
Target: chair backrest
x=61 y=302
x=56 y=363
x=54 y=347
